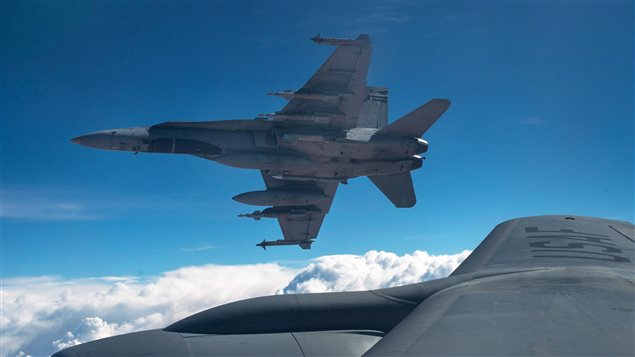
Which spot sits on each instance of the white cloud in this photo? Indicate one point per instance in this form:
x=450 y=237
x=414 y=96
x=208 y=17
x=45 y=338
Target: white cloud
x=198 y=248
x=42 y=208
x=37 y=313
x=372 y=270
x=42 y=314
x=90 y=328
x=63 y=204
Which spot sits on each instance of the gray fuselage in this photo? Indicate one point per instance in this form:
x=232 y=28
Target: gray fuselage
x=295 y=152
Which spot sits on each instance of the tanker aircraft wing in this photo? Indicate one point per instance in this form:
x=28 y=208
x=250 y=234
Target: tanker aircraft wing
x=299 y=224
x=536 y=286
x=546 y=285
x=333 y=96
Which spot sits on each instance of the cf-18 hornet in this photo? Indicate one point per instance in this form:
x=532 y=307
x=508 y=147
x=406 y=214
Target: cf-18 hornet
x=332 y=129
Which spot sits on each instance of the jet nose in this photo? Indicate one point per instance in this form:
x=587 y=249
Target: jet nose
x=98 y=140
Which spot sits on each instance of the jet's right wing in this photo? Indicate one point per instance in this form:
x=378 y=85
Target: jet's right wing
x=333 y=96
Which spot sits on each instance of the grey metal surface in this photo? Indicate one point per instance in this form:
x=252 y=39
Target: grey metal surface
x=554 y=241
x=303 y=228
x=571 y=311
x=418 y=121
x=313 y=312
x=162 y=343
x=573 y=293
x=397 y=187
x=344 y=75
x=332 y=129
x=374 y=110
x=547 y=285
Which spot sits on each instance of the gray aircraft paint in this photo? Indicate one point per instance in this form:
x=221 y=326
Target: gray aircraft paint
x=546 y=285
x=332 y=129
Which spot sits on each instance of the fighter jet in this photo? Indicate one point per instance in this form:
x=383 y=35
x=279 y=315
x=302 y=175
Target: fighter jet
x=536 y=286
x=331 y=130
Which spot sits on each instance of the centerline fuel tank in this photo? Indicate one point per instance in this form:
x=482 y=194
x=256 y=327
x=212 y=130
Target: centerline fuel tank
x=280 y=198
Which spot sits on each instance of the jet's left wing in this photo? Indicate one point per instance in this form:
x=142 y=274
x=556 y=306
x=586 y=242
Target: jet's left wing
x=300 y=224
x=333 y=96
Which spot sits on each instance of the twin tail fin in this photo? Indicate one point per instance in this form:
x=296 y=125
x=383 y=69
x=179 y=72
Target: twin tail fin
x=418 y=121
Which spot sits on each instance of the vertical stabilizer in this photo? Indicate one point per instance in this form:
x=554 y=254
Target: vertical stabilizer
x=374 y=110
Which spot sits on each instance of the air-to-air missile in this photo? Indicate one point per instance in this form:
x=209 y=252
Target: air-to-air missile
x=324 y=96
x=292 y=212
x=331 y=130
x=337 y=41
x=304 y=244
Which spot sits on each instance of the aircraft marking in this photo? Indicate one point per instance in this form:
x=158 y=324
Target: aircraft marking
x=552 y=242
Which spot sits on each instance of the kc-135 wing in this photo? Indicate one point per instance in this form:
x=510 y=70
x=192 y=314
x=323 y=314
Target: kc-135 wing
x=300 y=224
x=537 y=286
x=334 y=94
x=546 y=285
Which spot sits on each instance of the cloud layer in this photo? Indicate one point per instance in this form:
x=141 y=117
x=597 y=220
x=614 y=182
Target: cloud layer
x=43 y=314
x=372 y=270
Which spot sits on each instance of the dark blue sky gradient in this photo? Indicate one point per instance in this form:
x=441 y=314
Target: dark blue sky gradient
x=541 y=122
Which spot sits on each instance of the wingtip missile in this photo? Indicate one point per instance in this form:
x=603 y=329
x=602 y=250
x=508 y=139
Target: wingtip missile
x=360 y=40
x=286 y=94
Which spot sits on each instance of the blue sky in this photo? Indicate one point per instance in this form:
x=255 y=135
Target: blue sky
x=541 y=122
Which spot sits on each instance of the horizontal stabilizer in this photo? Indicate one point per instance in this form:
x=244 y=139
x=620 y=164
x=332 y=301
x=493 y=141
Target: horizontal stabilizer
x=397 y=187
x=418 y=121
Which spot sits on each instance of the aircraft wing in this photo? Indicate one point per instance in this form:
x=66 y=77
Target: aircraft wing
x=333 y=96
x=547 y=285
x=301 y=228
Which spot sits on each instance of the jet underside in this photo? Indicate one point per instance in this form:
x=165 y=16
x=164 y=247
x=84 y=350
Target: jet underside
x=332 y=129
